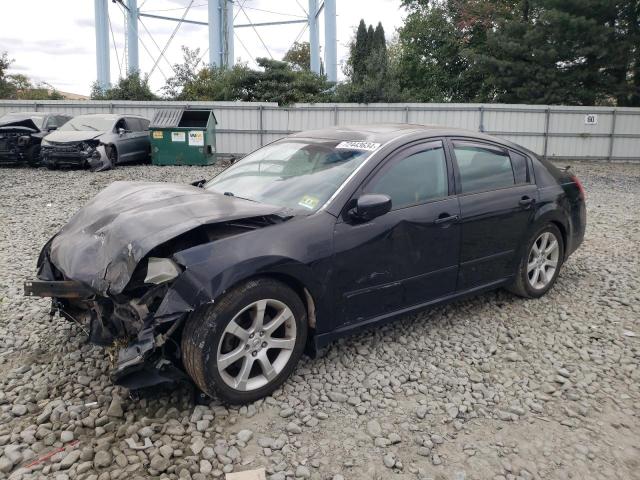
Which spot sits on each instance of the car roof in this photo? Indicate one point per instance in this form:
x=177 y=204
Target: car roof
x=387 y=132
x=112 y=116
x=29 y=113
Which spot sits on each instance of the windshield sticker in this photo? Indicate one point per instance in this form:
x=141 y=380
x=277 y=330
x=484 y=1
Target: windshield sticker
x=309 y=202
x=351 y=145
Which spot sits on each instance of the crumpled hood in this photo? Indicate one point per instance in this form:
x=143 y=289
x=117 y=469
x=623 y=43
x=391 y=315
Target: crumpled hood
x=70 y=136
x=26 y=124
x=102 y=243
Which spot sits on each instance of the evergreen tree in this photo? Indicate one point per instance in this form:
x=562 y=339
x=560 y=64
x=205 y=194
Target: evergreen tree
x=370 y=39
x=562 y=53
x=380 y=46
x=359 y=53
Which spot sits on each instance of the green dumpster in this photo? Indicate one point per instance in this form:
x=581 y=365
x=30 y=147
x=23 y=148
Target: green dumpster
x=183 y=137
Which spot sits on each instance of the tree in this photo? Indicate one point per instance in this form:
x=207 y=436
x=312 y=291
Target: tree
x=185 y=72
x=7 y=90
x=299 y=56
x=433 y=66
x=561 y=52
x=276 y=81
x=368 y=69
x=359 y=51
x=131 y=87
x=17 y=86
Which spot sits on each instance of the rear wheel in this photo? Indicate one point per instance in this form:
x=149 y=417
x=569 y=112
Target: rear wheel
x=247 y=343
x=539 y=268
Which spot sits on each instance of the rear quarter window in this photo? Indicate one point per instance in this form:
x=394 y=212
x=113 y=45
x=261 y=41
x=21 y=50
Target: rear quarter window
x=520 y=165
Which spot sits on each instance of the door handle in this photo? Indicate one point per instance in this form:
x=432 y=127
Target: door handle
x=526 y=202
x=446 y=219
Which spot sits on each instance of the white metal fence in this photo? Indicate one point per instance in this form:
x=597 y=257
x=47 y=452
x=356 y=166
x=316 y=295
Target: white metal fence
x=560 y=132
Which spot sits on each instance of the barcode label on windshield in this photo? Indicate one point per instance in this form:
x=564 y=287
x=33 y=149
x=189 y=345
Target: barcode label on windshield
x=369 y=146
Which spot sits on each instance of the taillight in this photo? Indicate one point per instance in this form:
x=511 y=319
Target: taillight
x=575 y=180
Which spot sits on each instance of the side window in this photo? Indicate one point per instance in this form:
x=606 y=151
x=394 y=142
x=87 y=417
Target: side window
x=144 y=124
x=416 y=178
x=520 y=168
x=482 y=167
x=133 y=123
x=121 y=124
x=52 y=121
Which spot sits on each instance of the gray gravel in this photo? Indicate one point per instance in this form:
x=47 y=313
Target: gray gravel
x=494 y=387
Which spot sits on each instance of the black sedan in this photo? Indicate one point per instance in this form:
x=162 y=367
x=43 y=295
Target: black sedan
x=21 y=134
x=305 y=240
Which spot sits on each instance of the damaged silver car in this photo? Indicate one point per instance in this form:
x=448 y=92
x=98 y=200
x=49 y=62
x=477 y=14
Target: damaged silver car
x=98 y=142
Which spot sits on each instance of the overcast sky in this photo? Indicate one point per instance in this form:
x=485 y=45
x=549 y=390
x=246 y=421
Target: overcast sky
x=54 y=42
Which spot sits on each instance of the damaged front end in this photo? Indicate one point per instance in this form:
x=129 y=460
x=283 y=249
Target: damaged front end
x=17 y=145
x=90 y=154
x=112 y=270
x=143 y=348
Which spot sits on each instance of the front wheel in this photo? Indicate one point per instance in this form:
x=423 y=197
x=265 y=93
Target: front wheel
x=246 y=344
x=539 y=268
x=112 y=155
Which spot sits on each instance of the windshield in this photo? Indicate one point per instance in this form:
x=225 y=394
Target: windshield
x=19 y=116
x=300 y=175
x=88 y=122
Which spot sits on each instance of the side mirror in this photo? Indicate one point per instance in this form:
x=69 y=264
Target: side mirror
x=121 y=131
x=370 y=206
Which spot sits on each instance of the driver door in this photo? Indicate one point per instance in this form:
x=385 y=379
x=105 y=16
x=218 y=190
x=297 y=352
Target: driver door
x=125 y=143
x=408 y=256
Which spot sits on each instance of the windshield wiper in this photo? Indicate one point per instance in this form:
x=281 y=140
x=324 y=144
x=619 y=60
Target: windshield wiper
x=89 y=126
x=231 y=194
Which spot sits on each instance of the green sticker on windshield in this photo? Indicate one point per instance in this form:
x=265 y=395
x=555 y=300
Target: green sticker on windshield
x=309 y=202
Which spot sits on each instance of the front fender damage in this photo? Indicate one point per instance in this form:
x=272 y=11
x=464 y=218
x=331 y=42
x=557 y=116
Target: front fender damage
x=141 y=323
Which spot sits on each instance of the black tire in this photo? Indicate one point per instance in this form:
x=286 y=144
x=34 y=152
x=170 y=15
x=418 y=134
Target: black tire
x=33 y=156
x=521 y=285
x=205 y=329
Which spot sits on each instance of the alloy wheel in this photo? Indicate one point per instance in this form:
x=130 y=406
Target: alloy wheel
x=543 y=260
x=256 y=344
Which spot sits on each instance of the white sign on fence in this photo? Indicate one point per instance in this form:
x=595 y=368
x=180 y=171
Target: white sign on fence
x=591 y=119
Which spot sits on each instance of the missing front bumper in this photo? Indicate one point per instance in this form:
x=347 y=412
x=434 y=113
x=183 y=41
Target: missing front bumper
x=57 y=289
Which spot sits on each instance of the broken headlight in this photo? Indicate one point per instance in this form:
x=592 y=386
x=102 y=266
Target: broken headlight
x=161 y=270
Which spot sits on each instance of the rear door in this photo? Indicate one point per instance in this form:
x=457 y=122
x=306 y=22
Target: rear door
x=410 y=255
x=497 y=204
x=139 y=137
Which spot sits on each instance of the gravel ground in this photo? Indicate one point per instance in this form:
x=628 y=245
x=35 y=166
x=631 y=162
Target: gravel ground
x=494 y=387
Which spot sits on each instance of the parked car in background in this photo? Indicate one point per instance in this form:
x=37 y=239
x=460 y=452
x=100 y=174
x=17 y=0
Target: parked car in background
x=97 y=141
x=303 y=241
x=22 y=132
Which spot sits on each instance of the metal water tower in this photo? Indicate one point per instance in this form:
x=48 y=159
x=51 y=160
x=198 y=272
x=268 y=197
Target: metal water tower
x=221 y=34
